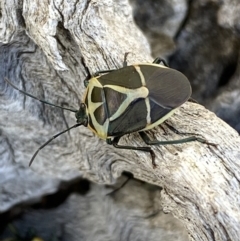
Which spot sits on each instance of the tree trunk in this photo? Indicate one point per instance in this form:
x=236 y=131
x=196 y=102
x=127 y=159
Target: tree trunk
x=47 y=48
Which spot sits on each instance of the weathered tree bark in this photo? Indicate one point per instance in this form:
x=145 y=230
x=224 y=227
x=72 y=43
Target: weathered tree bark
x=46 y=49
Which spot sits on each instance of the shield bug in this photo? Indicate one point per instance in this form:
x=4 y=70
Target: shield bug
x=133 y=98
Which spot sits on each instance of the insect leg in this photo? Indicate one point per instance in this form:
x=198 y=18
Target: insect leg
x=192 y=100
x=86 y=81
x=158 y=60
x=147 y=140
x=115 y=141
x=110 y=70
x=88 y=77
x=125 y=59
x=103 y=72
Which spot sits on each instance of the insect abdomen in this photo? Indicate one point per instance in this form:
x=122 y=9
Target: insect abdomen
x=134 y=98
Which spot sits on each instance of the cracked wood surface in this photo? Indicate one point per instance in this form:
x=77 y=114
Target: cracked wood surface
x=46 y=53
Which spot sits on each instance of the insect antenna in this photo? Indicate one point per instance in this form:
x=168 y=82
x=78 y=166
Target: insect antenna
x=36 y=98
x=47 y=142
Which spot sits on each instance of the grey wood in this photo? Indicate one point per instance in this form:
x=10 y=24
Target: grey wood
x=45 y=52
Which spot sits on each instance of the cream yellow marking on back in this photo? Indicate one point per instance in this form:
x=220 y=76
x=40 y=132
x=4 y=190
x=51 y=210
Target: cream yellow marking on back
x=152 y=64
x=147 y=102
x=140 y=74
x=160 y=121
x=101 y=130
x=131 y=94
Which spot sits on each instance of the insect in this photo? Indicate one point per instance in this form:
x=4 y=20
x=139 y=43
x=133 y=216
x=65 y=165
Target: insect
x=134 y=98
